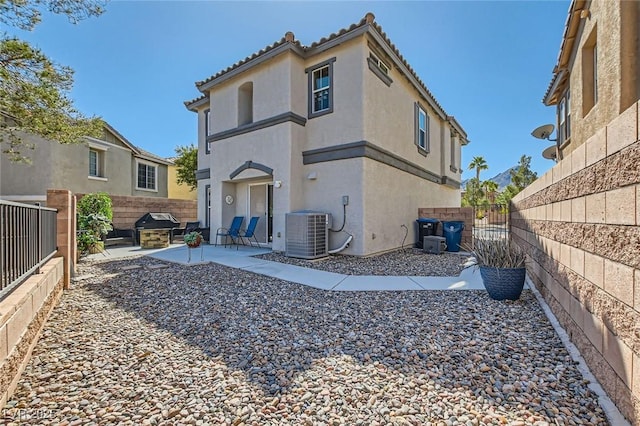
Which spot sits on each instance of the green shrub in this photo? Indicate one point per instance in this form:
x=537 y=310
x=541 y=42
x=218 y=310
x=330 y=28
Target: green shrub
x=96 y=203
x=94 y=220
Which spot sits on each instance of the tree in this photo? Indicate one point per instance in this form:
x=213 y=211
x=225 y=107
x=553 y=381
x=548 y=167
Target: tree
x=186 y=165
x=478 y=163
x=33 y=88
x=523 y=176
x=489 y=186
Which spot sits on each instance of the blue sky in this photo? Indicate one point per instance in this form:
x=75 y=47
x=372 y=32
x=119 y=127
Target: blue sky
x=488 y=63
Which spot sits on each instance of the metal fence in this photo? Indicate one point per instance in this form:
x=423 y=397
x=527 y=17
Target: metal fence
x=491 y=221
x=27 y=241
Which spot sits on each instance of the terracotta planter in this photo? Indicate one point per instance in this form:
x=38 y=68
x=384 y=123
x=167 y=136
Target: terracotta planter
x=196 y=243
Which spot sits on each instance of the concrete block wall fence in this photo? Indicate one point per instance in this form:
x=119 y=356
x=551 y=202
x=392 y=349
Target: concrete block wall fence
x=580 y=224
x=128 y=209
x=444 y=214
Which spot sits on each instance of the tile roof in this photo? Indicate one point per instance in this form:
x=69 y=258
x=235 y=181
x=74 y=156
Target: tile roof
x=571 y=26
x=135 y=149
x=368 y=20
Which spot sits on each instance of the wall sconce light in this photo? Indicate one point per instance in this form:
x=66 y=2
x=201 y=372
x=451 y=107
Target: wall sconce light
x=312 y=176
x=277 y=184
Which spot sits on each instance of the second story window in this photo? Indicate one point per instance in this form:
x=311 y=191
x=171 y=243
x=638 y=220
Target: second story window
x=146 y=176
x=96 y=163
x=207 y=127
x=321 y=88
x=564 y=118
x=422 y=129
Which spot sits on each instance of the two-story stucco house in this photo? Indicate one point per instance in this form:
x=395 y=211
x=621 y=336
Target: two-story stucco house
x=297 y=127
x=110 y=164
x=597 y=74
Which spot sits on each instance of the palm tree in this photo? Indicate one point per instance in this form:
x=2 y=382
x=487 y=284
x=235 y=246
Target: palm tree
x=478 y=163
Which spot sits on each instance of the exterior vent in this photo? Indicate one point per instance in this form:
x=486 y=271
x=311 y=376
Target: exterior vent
x=307 y=234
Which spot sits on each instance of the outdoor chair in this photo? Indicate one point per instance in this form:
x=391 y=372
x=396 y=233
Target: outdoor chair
x=250 y=232
x=189 y=227
x=233 y=232
x=119 y=236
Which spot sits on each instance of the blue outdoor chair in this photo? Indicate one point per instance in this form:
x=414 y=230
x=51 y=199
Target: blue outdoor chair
x=233 y=232
x=251 y=232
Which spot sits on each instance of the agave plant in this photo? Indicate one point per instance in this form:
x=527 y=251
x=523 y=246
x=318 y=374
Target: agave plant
x=499 y=253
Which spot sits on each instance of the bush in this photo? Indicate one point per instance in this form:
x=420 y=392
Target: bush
x=94 y=220
x=96 y=203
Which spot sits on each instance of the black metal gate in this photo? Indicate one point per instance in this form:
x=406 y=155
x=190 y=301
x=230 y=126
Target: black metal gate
x=491 y=221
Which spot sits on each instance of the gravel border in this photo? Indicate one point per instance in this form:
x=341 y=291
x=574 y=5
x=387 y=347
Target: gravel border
x=208 y=344
x=408 y=262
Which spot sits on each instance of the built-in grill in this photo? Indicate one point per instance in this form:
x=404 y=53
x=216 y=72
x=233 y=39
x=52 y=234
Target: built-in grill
x=156 y=221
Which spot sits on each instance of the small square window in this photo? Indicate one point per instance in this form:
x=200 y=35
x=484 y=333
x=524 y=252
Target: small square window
x=147 y=176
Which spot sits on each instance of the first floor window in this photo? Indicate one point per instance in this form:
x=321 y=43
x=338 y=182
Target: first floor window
x=146 y=176
x=96 y=163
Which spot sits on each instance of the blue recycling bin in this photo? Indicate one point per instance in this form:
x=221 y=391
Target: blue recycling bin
x=452 y=232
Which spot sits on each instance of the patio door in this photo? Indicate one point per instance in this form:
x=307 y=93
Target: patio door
x=261 y=205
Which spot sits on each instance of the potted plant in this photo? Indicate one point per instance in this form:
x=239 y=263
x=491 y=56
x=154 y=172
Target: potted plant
x=193 y=239
x=502 y=267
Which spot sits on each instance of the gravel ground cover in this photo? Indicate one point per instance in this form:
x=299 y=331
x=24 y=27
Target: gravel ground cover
x=212 y=345
x=409 y=262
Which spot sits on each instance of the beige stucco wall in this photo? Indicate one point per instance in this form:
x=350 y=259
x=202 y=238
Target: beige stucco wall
x=265 y=146
x=28 y=179
x=65 y=166
x=394 y=201
x=616 y=23
x=363 y=109
x=346 y=123
x=580 y=224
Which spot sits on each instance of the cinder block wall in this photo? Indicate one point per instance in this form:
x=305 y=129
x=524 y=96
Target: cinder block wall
x=23 y=313
x=128 y=209
x=580 y=225
x=444 y=214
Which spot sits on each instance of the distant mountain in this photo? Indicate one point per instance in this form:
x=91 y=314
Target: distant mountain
x=502 y=179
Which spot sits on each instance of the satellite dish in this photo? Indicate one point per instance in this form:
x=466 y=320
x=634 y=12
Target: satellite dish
x=550 y=153
x=543 y=132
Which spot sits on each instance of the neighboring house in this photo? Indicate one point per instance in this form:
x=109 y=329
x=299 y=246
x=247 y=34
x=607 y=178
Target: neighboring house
x=177 y=190
x=596 y=77
x=111 y=164
x=296 y=127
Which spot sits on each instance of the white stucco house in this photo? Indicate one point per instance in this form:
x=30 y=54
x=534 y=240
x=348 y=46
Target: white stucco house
x=295 y=127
